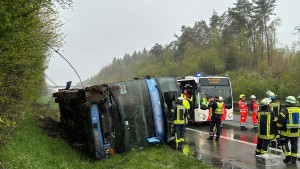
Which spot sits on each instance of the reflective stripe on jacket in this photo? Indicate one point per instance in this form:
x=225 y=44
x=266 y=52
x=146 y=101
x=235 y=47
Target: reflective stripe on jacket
x=282 y=122
x=266 y=127
x=180 y=115
x=243 y=107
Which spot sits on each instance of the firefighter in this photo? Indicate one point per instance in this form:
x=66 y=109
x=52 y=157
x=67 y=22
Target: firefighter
x=253 y=112
x=288 y=123
x=266 y=127
x=275 y=107
x=188 y=98
x=216 y=114
x=243 y=111
x=179 y=122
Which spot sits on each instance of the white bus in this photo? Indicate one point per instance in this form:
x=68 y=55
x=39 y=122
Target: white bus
x=200 y=86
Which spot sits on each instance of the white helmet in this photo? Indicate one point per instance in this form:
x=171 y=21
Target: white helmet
x=268 y=92
x=220 y=98
x=180 y=98
x=290 y=99
x=252 y=97
x=265 y=101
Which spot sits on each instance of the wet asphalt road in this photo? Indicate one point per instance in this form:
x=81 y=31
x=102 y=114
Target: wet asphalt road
x=235 y=150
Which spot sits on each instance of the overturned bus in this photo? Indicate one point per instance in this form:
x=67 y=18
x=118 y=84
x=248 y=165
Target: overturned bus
x=119 y=117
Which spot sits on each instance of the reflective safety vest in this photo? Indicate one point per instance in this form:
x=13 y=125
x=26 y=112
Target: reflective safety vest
x=180 y=115
x=243 y=107
x=186 y=104
x=219 y=109
x=292 y=118
x=275 y=107
x=285 y=117
x=254 y=106
x=266 y=127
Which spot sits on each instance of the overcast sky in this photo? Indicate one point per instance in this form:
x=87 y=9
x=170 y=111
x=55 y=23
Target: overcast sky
x=96 y=31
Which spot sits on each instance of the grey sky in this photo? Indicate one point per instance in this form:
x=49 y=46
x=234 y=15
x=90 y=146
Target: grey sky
x=97 y=31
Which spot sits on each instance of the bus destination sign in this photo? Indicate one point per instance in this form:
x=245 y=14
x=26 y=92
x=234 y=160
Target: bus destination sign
x=214 y=81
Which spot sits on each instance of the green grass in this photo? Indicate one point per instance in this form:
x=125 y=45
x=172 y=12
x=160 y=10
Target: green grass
x=32 y=148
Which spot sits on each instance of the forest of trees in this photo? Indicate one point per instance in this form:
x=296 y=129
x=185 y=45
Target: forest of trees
x=241 y=43
x=27 y=29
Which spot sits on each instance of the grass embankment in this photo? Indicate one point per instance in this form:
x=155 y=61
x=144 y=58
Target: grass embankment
x=32 y=147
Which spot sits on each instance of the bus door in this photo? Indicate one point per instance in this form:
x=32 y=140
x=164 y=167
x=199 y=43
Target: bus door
x=190 y=86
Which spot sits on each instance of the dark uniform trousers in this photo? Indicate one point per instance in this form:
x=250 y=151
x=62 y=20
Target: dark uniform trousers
x=294 y=146
x=262 y=146
x=215 y=120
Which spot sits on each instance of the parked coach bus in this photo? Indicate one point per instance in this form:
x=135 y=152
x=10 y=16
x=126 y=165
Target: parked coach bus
x=207 y=86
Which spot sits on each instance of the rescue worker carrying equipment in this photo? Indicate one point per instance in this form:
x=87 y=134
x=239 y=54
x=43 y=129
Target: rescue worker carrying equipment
x=254 y=109
x=289 y=125
x=243 y=111
x=179 y=122
x=275 y=107
x=266 y=127
x=216 y=106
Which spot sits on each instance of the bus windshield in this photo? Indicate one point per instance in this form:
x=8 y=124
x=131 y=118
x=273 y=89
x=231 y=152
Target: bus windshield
x=223 y=91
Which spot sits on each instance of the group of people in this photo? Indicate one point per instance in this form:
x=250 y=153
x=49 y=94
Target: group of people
x=276 y=125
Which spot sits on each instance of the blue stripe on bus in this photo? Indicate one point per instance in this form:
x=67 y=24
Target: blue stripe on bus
x=96 y=128
x=156 y=106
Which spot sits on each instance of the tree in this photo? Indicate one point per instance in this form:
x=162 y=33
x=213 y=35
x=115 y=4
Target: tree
x=263 y=10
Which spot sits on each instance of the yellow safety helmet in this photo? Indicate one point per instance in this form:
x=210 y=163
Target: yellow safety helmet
x=242 y=95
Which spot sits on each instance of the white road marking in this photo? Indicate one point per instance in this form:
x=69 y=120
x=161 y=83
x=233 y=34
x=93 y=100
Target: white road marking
x=231 y=139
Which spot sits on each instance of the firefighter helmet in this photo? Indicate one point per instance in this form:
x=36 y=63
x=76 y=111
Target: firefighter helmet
x=265 y=102
x=179 y=100
x=290 y=99
x=242 y=95
x=272 y=95
x=268 y=92
x=252 y=97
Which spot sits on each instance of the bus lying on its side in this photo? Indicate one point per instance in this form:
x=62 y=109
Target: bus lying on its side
x=200 y=86
x=119 y=117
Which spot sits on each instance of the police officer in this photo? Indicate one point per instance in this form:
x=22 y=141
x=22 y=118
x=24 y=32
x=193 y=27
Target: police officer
x=179 y=122
x=275 y=107
x=216 y=107
x=266 y=127
x=288 y=123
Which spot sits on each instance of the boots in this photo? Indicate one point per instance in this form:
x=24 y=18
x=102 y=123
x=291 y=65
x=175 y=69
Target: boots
x=243 y=128
x=287 y=159
x=217 y=139
x=210 y=138
x=254 y=129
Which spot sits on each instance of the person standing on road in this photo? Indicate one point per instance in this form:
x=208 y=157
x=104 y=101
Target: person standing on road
x=289 y=124
x=253 y=112
x=266 y=127
x=216 y=114
x=179 y=122
x=275 y=107
x=243 y=111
